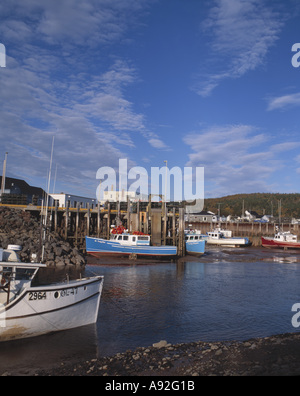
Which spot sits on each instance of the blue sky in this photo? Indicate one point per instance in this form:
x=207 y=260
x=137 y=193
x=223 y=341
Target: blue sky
x=197 y=83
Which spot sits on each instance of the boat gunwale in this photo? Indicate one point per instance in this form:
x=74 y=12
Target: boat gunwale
x=49 y=288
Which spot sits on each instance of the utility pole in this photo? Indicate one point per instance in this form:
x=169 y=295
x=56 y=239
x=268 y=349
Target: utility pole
x=219 y=209
x=165 y=207
x=3 y=175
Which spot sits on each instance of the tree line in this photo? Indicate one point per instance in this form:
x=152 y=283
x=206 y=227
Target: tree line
x=262 y=203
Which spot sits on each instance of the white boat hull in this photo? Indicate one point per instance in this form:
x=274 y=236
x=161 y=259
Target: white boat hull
x=44 y=309
x=233 y=242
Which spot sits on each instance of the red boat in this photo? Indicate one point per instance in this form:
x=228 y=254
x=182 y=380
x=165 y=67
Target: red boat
x=284 y=240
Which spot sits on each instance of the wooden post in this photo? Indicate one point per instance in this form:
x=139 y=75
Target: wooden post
x=55 y=216
x=76 y=224
x=108 y=221
x=181 y=241
x=128 y=214
x=98 y=220
x=66 y=222
x=88 y=220
x=138 y=216
x=174 y=226
x=146 y=226
x=165 y=212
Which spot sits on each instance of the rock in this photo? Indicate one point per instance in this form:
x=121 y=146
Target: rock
x=22 y=228
x=161 y=344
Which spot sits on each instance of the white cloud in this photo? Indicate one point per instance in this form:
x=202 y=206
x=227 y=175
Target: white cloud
x=282 y=102
x=236 y=158
x=157 y=143
x=70 y=23
x=46 y=92
x=240 y=34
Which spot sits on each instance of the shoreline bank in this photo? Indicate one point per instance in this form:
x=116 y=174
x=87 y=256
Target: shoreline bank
x=277 y=355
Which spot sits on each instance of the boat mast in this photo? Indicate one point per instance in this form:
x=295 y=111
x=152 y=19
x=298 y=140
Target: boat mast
x=3 y=175
x=45 y=213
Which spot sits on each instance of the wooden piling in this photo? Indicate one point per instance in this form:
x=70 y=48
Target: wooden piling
x=98 y=220
x=66 y=223
x=181 y=237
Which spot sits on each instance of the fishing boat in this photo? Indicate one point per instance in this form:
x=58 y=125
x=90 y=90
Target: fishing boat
x=28 y=309
x=126 y=244
x=224 y=238
x=194 y=243
x=285 y=240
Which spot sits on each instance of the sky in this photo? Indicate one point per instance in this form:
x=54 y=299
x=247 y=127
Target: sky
x=197 y=83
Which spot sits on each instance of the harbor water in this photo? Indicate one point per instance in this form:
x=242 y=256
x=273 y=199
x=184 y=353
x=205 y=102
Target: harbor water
x=227 y=294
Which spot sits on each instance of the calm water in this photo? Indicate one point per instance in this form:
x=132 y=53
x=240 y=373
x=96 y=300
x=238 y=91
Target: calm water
x=231 y=294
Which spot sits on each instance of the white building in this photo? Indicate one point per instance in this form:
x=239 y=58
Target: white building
x=71 y=201
x=116 y=196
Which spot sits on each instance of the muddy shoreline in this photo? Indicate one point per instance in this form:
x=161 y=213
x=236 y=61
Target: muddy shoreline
x=270 y=356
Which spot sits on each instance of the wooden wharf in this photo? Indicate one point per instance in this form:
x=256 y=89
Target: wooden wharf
x=73 y=224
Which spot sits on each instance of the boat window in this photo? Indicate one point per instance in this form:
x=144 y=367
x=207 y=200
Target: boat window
x=23 y=273
x=125 y=237
x=196 y=237
x=142 y=238
x=120 y=238
x=133 y=239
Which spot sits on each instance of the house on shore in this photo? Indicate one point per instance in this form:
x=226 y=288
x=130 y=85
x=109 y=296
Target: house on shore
x=201 y=217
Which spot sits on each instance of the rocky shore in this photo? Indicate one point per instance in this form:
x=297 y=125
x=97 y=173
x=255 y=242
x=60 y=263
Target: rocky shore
x=18 y=227
x=271 y=356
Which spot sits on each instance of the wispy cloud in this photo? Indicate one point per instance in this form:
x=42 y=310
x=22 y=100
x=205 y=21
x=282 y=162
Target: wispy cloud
x=283 y=102
x=240 y=34
x=236 y=158
x=70 y=23
x=61 y=82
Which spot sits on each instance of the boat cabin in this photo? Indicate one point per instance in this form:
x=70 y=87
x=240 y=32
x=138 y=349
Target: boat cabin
x=285 y=237
x=14 y=275
x=193 y=237
x=218 y=233
x=215 y=235
x=131 y=240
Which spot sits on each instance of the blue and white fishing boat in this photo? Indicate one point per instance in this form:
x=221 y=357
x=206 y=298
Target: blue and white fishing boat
x=126 y=244
x=194 y=243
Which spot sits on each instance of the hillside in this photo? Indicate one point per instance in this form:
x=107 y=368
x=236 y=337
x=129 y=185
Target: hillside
x=262 y=203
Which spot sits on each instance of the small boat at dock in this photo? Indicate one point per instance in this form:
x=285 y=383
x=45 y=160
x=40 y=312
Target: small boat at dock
x=283 y=240
x=126 y=244
x=28 y=309
x=194 y=243
x=224 y=238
